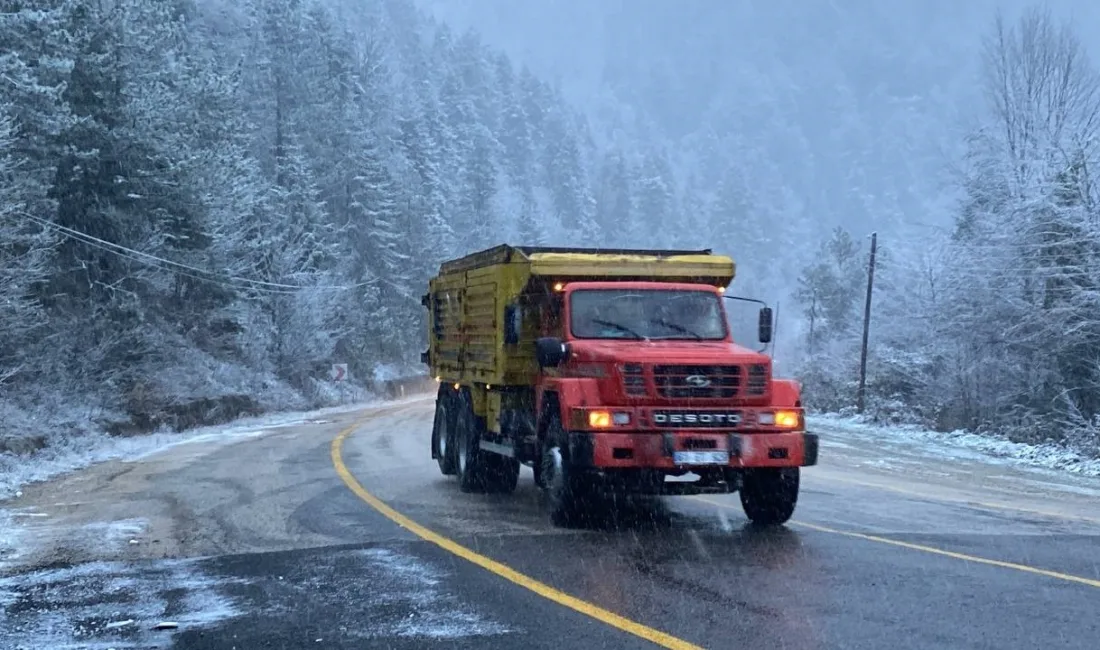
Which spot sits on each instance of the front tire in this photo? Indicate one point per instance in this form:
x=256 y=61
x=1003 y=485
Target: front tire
x=769 y=496
x=566 y=488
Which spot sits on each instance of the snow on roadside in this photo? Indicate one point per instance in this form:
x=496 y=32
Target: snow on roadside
x=989 y=448
x=71 y=454
x=11 y=537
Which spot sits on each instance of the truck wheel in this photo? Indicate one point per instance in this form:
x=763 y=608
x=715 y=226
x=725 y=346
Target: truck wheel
x=472 y=464
x=466 y=452
x=443 y=447
x=769 y=495
x=566 y=489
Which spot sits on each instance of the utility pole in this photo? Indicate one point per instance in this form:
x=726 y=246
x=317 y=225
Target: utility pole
x=860 y=394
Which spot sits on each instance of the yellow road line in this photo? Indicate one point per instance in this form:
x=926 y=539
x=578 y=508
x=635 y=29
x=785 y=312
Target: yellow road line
x=605 y=616
x=935 y=551
x=959 y=500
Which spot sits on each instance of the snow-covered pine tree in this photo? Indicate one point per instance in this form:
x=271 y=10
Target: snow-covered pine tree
x=566 y=182
x=301 y=250
x=121 y=180
x=24 y=255
x=655 y=201
x=379 y=234
x=614 y=204
x=35 y=62
x=422 y=185
x=515 y=127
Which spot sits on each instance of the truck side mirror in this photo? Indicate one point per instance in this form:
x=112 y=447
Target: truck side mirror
x=765 y=325
x=550 y=351
x=513 y=324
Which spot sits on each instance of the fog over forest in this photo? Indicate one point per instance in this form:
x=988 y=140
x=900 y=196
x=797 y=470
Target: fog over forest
x=211 y=202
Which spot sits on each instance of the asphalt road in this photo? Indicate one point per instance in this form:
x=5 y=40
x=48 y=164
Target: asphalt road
x=287 y=540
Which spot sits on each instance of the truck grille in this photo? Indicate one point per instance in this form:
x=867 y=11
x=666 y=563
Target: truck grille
x=633 y=379
x=758 y=380
x=691 y=381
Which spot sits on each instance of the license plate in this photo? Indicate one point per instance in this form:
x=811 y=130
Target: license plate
x=701 y=457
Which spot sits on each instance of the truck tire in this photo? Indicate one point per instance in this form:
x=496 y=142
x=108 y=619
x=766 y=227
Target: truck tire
x=443 y=447
x=477 y=470
x=769 y=496
x=472 y=465
x=567 y=490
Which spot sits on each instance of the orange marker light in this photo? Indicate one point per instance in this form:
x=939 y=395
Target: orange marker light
x=599 y=419
x=559 y=286
x=787 y=419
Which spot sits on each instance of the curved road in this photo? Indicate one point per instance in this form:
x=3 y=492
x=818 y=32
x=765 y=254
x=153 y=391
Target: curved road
x=339 y=532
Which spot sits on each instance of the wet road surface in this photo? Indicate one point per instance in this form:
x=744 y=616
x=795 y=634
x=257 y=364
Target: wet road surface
x=261 y=543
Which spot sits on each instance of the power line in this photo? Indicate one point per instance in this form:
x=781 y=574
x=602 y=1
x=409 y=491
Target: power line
x=183 y=269
x=113 y=247
x=152 y=261
x=183 y=273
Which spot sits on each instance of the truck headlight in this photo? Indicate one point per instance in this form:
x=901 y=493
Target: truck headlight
x=605 y=419
x=787 y=419
x=599 y=419
x=781 y=419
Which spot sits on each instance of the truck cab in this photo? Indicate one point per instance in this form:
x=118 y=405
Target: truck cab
x=649 y=383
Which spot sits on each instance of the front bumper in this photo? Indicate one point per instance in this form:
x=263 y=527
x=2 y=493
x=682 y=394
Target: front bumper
x=659 y=450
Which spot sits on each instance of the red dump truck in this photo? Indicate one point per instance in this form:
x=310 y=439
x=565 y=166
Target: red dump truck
x=608 y=370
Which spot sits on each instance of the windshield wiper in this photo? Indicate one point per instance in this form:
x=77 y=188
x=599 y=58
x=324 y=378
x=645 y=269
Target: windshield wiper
x=679 y=328
x=618 y=326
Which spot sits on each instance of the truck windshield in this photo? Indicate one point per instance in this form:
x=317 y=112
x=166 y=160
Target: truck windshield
x=646 y=314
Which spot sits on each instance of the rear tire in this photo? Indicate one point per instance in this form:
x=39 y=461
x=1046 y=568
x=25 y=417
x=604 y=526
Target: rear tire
x=468 y=455
x=769 y=496
x=479 y=471
x=443 y=447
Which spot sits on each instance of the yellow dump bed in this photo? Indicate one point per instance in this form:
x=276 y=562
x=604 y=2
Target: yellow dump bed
x=472 y=296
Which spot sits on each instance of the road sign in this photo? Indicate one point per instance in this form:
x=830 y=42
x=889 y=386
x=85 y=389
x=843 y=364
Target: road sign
x=339 y=371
